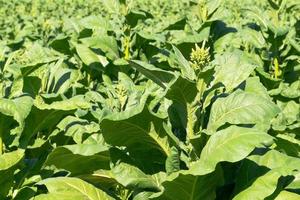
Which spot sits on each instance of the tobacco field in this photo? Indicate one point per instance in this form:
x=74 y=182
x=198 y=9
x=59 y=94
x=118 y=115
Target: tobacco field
x=149 y=99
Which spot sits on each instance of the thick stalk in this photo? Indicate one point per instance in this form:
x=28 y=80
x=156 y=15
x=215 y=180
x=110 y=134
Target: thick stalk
x=1 y=144
x=1 y=133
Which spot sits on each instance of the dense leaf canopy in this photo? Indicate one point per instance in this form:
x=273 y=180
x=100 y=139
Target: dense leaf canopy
x=149 y=99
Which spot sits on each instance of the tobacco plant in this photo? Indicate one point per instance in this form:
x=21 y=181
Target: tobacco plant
x=136 y=100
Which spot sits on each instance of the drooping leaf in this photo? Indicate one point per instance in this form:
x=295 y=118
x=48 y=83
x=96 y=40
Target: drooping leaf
x=231 y=144
x=18 y=108
x=68 y=188
x=79 y=158
x=160 y=77
x=89 y=57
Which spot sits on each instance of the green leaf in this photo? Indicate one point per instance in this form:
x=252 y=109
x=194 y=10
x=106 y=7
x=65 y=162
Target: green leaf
x=107 y=44
x=284 y=195
x=61 y=44
x=188 y=187
x=231 y=144
x=253 y=85
x=173 y=161
x=288 y=115
x=43 y=117
x=242 y=108
x=18 y=108
x=269 y=168
x=274 y=159
x=235 y=63
x=186 y=69
x=67 y=188
x=8 y=162
x=182 y=111
x=263 y=186
x=26 y=193
x=133 y=178
x=76 y=102
x=77 y=128
x=89 y=57
x=160 y=77
x=139 y=137
x=79 y=158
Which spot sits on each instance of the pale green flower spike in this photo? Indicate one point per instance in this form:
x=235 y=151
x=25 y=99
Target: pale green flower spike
x=199 y=57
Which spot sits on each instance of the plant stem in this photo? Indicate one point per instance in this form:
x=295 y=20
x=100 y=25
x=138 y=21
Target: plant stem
x=1 y=144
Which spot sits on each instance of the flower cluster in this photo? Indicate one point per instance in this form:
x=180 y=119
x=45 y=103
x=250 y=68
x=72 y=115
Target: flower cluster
x=199 y=57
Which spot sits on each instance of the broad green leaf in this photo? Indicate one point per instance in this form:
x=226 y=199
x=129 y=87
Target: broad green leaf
x=107 y=44
x=112 y=5
x=181 y=36
x=35 y=54
x=134 y=16
x=89 y=57
x=26 y=193
x=212 y=6
x=139 y=137
x=231 y=144
x=160 y=77
x=44 y=117
x=182 y=111
x=8 y=162
x=67 y=188
x=263 y=186
x=103 y=179
x=284 y=195
x=242 y=108
x=148 y=132
x=274 y=159
x=188 y=187
x=59 y=78
x=79 y=158
x=291 y=91
x=269 y=168
x=288 y=115
x=77 y=128
x=61 y=44
x=18 y=108
x=133 y=178
x=253 y=85
x=288 y=143
x=232 y=69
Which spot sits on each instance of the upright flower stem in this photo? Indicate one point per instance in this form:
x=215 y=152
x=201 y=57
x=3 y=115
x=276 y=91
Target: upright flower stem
x=1 y=144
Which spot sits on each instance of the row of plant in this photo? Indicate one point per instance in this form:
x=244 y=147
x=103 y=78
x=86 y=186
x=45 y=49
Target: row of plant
x=136 y=100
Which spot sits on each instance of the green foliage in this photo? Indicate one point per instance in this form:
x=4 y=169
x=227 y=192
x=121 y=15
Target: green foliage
x=149 y=99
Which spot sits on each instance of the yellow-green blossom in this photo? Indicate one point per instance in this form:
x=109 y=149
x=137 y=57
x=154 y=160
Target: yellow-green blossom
x=199 y=57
